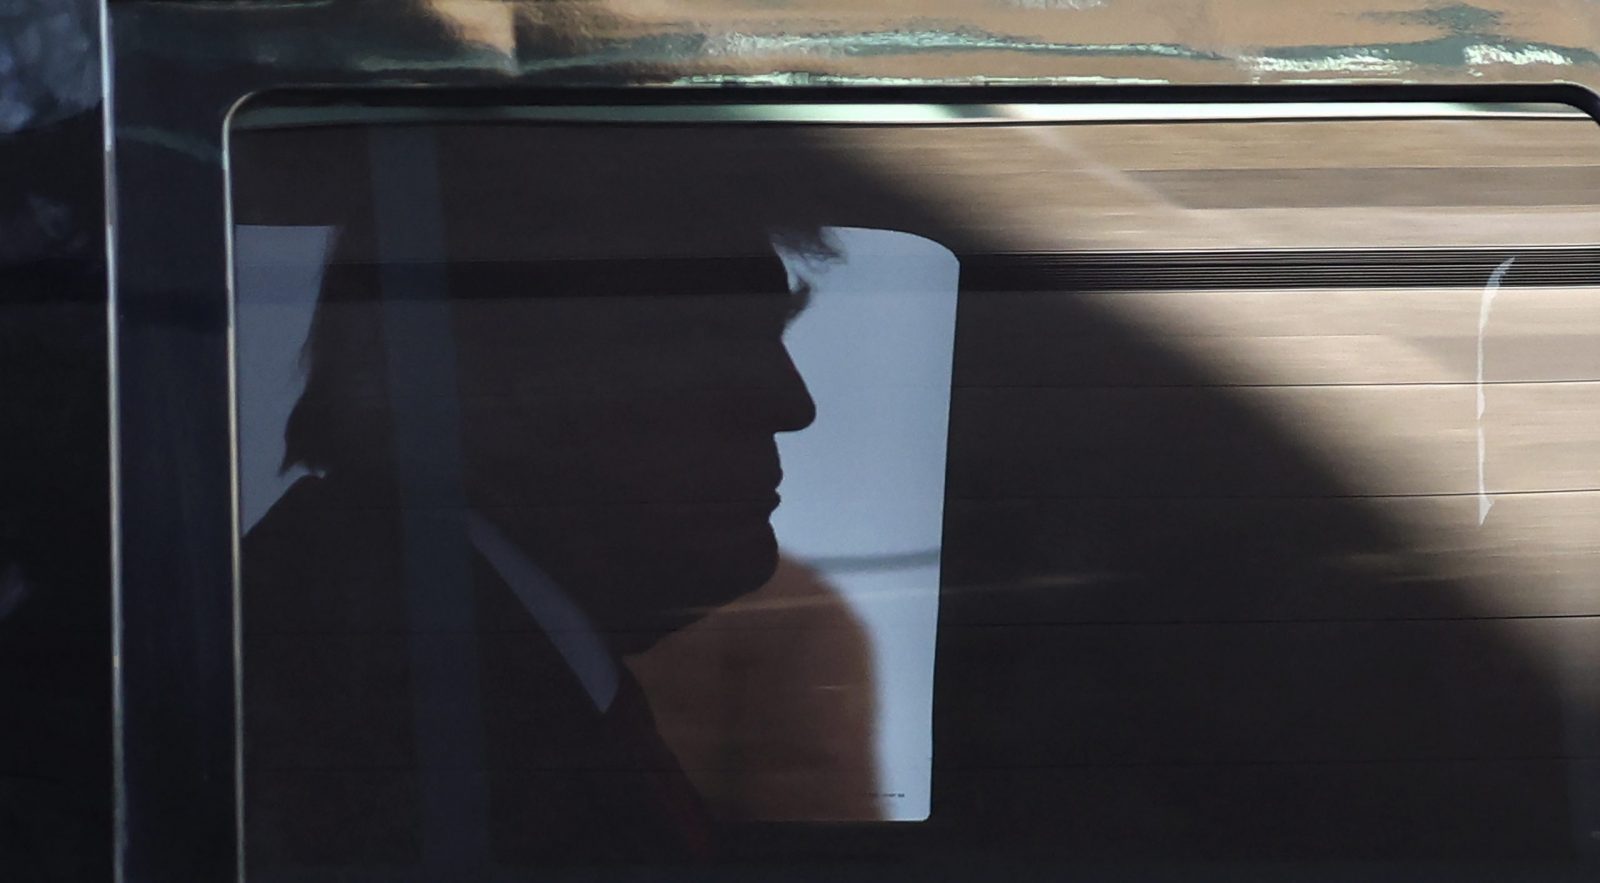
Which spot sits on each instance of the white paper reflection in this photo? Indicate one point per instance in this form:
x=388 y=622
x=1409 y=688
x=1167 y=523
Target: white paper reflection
x=863 y=488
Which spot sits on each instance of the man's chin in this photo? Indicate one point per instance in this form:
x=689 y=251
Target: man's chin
x=683 y=589
x=705 y=583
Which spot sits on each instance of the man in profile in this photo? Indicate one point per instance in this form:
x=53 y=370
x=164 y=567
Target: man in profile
x=539 y=449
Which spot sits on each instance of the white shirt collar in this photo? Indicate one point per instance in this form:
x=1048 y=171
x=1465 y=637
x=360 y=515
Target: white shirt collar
x=562 y=620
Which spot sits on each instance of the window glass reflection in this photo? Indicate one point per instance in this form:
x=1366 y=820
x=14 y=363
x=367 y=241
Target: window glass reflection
x=647 y=493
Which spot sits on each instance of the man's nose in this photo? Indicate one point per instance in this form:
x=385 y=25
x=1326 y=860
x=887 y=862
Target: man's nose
x=793 y=407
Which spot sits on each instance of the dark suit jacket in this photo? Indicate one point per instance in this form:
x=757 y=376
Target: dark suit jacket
x=337 y=743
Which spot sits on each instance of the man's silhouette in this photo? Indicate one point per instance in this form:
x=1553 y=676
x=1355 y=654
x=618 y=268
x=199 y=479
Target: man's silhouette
x=602 y=457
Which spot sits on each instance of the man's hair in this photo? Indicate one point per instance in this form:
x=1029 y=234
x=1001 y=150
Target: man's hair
x=532 y=212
